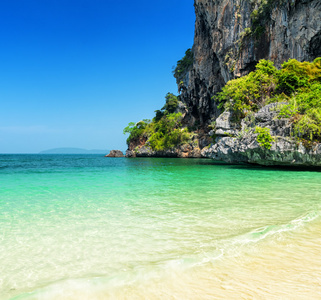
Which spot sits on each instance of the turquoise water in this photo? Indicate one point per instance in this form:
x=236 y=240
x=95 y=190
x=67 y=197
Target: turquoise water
x=89 y=227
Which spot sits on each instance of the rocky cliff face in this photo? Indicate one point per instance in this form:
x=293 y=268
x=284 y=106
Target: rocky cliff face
x=231 y=36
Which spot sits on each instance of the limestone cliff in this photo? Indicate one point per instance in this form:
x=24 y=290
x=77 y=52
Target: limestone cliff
x=231 y=36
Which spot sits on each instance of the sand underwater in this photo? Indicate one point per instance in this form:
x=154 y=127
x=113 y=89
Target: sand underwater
x=89 y=227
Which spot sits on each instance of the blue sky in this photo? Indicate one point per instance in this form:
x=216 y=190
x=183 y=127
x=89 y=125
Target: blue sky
x=74 y=73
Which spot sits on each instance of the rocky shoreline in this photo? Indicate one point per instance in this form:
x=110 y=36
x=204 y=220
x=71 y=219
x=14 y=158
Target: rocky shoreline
x=244 y=147
x=237 y=143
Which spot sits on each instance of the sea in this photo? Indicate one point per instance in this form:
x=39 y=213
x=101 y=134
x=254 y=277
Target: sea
x=89 y=227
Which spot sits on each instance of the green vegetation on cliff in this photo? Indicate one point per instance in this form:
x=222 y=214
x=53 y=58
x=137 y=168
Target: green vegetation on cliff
x=261 y=14
x=264 y=137
x=297 y=86
x=136 y=130
x=164 y=131
x=184 y=64
x=249 y=92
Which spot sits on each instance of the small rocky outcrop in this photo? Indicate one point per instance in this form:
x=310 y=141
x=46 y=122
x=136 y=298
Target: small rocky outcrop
x=234 y=145
x=115 y=153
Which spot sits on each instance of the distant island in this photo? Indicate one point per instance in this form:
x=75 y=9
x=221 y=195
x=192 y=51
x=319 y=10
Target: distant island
x=73 y=151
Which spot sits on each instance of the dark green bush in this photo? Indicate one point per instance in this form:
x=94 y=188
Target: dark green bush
x=184 y=64
x=171 y=103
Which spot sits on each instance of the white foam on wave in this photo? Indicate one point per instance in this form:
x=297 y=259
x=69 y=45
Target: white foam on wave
x=69 y=289
x=262 y=233
x=98 y=287
x=106 y=287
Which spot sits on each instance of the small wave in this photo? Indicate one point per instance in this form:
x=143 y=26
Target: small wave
x=271 y=230
x=197 y=260
x=87 y=288
x=100 y=287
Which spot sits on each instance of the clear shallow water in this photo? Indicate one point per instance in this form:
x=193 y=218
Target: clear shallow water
x=89 y=227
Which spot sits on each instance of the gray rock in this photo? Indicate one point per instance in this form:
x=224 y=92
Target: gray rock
x=268 y=112
x=224 y=125
x=183 y=151
x=285 y=150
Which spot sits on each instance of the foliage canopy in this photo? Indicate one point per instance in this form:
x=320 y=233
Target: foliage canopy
x=164 y=131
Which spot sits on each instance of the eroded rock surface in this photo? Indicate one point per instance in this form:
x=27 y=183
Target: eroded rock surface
x=244 y=147
x=183 y=151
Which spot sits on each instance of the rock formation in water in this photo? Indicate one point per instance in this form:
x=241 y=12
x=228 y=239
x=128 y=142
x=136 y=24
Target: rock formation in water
x=239 y=143
x=231 y=36
x=115 y=153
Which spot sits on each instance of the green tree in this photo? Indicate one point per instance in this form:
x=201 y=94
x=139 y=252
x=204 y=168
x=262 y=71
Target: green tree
x=184 y=64
x=171 y=103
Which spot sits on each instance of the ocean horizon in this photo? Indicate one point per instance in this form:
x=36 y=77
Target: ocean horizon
x=89 y=227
